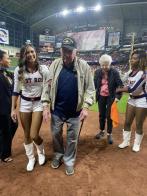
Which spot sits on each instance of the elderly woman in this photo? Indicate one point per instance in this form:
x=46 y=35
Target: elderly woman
x=106 y=80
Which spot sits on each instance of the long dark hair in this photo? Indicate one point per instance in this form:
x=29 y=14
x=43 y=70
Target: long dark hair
x=2 y=53
x=8 y=73
x=142 y=58
x=22 y=63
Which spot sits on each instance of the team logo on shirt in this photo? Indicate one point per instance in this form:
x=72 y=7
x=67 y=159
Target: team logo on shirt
x=32 y=80
x=131 y=82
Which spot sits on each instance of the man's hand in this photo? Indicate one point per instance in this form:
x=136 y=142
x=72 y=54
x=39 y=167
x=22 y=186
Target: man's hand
x=83 y=114
x=46 y=114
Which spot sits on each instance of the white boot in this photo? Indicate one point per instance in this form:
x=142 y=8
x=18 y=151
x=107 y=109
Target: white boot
x=41 y=153
x=126 y=139
x=30 y=154
x=137 y=142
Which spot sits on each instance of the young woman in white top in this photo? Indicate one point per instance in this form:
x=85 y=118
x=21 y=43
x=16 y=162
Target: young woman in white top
x=137 y=102
x=29 y=79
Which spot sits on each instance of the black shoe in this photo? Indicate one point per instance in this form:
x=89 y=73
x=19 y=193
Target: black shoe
x=100 y=135
x=110 y=139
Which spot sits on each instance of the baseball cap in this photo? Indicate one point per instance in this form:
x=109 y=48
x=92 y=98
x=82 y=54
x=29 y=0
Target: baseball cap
x=69 y=43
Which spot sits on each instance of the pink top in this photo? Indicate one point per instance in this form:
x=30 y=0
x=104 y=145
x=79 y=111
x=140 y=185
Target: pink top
x=104 y=91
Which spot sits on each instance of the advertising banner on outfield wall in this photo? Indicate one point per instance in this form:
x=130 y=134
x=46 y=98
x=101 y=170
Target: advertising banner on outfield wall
x=46 y=43
x=89 y=40
x=4 y=36
x=113 y=39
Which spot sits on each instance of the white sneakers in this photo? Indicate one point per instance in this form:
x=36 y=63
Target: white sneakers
x=30 y=154
x=126 y=141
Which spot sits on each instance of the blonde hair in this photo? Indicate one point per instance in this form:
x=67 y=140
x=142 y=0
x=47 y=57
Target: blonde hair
x=105 y=59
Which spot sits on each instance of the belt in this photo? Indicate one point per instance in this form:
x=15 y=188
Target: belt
x=30 y=98
x=137 y=97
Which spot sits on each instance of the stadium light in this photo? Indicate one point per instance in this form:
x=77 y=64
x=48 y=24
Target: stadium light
x=80 y=9
x=98 y=7
x=65 y=12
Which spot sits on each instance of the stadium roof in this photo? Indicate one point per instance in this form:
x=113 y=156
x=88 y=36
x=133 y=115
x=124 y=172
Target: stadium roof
x=43 y=14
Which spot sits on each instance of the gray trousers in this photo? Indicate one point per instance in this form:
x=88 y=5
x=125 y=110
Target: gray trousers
x=69 y=152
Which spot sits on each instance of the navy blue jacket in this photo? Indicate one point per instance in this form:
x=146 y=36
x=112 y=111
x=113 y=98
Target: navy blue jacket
x=5 y=94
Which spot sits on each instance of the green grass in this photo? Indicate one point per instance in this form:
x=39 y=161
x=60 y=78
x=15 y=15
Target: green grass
x=121 y=105
x=14 y=61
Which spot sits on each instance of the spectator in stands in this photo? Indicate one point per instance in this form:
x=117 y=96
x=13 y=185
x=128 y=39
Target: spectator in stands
x=106 y=81
x=71 y=93
x=29 y=79
x=137 y=102
x=7 y=126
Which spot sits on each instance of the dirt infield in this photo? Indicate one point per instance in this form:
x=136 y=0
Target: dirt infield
x=101 y=169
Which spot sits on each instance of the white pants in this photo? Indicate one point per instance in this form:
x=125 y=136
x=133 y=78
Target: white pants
x=30 y=106
x=139 y=103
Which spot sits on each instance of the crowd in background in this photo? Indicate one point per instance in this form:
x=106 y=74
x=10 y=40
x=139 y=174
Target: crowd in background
x=120 y=59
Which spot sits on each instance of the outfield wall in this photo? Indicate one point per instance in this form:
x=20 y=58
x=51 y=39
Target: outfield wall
x=12 y=51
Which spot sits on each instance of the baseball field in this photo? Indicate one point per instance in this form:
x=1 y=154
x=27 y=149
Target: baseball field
x=100 y=170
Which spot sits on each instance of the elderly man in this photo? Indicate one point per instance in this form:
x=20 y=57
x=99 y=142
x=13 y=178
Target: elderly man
x=71 y=92
x=106 y=81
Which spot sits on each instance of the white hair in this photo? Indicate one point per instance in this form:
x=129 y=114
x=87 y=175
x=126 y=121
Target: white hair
x=105 y=59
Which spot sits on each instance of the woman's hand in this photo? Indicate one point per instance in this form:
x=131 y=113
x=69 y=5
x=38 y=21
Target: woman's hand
x=14 y=115
x=120 y=90
x=116 y=100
